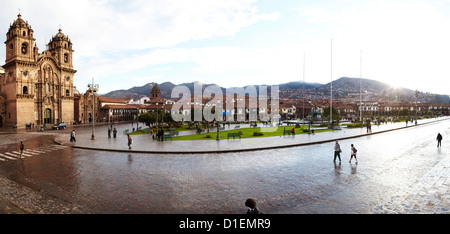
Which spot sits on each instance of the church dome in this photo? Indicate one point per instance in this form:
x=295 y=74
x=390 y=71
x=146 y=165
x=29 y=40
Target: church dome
x=60 y=36
x=19 y=22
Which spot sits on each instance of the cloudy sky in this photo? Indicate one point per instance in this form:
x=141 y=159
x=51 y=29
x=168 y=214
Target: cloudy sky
x=126 y=43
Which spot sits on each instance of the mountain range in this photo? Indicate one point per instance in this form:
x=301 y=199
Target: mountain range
x=343 y=88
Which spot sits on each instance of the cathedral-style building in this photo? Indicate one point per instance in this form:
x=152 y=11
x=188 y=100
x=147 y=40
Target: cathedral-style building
x=36 y=88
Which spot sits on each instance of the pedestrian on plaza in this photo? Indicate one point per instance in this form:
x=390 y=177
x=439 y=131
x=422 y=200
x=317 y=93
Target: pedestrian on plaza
x=72 y=136
x=439 y=139
x=293 y=131
x=114 y=133
x=252 y=209
x=162 y=134
x=109 y=132
x=353 y=154
x=21 y=148
x=368 y=126
x=130 y=141
x=337 y=151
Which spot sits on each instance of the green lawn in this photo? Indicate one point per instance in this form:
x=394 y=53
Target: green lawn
x=246 y=133
x=166 y=130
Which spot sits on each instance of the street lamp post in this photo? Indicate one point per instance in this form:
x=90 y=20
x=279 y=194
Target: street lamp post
x=162 y=118
x=416 y=96
x=218 y=138
x=157 y=117
x=93 y=88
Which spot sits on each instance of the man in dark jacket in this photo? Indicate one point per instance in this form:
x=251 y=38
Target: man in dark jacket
x=439 y=139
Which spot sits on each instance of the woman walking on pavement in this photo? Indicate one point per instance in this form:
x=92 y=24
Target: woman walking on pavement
x=129 y=142
x=21 y=148
x=72 y=136
x=337 y=151
x=354 y=150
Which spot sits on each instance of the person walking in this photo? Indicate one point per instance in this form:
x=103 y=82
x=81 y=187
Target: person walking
x=21 y=148
x=109 y=132
x=439 y=139
x=130 y=141
x=337 y=151
x=72 y=136
x=252 y=209
x=114 y=133
x=353 y=154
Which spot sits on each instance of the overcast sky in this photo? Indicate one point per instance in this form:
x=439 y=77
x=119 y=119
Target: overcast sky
x=245 y=42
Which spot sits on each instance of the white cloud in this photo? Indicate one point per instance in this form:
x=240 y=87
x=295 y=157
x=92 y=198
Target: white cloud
x=403 y=43
x=113 y=36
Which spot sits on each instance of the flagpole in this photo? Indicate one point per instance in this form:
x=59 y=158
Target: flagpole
x=331 y=84
x=360 y=88
x=303 y=106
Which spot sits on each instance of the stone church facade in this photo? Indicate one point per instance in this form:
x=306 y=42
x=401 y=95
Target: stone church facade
x=36 y=88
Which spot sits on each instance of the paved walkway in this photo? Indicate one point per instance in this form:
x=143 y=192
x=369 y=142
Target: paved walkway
x=145 y=144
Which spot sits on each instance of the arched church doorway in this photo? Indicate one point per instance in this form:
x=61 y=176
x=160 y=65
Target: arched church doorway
x=47 y=116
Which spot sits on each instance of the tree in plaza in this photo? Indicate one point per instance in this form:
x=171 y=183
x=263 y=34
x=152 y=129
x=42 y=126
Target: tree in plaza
x=404 y=112
x=335 y=113
x=152 y=116
x=396 y=113
x=147 y=118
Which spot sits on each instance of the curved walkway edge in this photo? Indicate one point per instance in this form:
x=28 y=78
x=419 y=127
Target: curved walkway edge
x=240 y=148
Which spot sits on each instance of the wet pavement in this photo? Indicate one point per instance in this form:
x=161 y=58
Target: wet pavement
x=399 y=171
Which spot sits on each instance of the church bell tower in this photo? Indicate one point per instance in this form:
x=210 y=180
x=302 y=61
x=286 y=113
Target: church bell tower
x=60 y=47
x=20 y=44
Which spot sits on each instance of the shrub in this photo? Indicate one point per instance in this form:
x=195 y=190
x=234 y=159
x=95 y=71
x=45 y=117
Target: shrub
x=355 y=125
